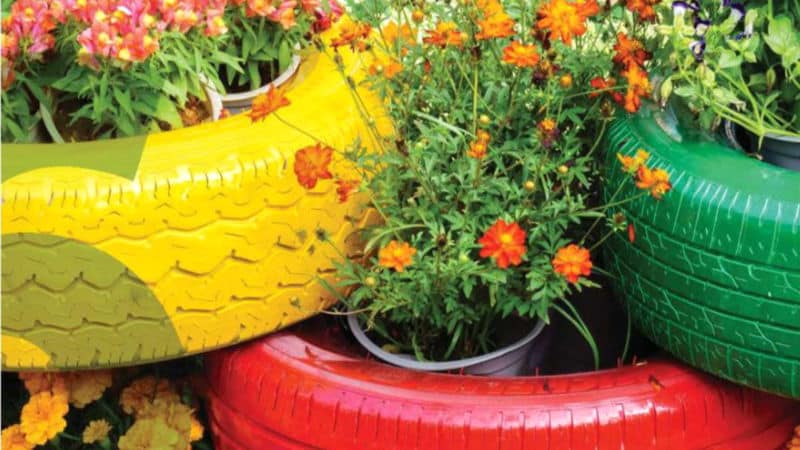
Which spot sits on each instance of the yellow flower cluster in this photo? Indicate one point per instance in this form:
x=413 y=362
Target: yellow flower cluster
x=162 y=421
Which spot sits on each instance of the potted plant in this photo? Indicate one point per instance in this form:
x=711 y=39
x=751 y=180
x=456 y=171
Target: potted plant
x=157 y=53
x=713 y=274
x=485 y=188
x=737 y=64
x=264 y=38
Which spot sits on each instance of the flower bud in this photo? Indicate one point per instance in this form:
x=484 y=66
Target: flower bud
x=562 y=169
x=370 y=281
x=565 y=81
x=417 y=16
x=529 y=186
x=484 y=119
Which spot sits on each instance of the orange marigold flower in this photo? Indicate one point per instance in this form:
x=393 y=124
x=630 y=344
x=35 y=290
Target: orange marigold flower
x=656 y=181
x=504 y=243
x=88 y=386
x=587 y=8
x=311 y=165
x=603 y=84
x=14 y=439
x=175 y=414
x=489 y=7
x=498 y=25
x=631 y=164
x=150 y=433
x=396 y=255
x=477 y=149
x=638 y=86
x=644 y=8
x=143 y=391
x=345 y=188
x=564 y=19
x=572 y=262
x=629 y=51
x=197 y=430
x=446 y=33
x=42 y=417
x=521 y=55
x=267 y=103
x=352 y=34
x=53 y=382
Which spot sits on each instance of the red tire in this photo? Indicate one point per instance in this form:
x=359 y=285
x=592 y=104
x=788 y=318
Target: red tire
x=306 y=388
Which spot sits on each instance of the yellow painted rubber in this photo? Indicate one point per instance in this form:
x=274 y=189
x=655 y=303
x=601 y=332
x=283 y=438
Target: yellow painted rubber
x=214 y=225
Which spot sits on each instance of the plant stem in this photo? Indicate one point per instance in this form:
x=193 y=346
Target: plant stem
x=301 y=131
x=579 y=325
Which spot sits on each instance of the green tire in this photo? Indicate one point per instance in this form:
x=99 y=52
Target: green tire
x=713 y=274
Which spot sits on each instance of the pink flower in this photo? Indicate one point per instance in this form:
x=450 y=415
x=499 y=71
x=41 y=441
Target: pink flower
x=261 y=8
x=310 y=6
x=326 y=18
x=215 y=24
x=285 y=14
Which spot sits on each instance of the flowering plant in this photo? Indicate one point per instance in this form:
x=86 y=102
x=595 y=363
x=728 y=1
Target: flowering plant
x=113 y=51
x=263 y=36
x=486 y=186
x=125 y=409
x=731 y=62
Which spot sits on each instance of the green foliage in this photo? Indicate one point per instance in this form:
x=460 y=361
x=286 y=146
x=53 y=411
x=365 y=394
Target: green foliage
x=749 y=72
x=448 y=302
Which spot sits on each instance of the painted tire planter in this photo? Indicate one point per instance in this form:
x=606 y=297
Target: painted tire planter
x=136 y=250
x=238 y=102
x=714 y=272
x=306 y=388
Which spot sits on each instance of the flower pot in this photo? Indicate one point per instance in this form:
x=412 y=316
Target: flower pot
x=311 y=387
x=713 y=274
x=782 y=151
x=518 y=358
x=240 y=101
x=213 y=103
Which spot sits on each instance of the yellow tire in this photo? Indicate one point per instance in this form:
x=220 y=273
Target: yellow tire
x=211 y=240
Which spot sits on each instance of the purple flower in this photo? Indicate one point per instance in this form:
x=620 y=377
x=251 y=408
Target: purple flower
x=698 y=48
x=737 y=11
x=701 y=26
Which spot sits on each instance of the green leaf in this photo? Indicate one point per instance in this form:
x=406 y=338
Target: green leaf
x=781 y=36
x=123 y=97
x=729 y=59
x=166 y=111
x=284 y=56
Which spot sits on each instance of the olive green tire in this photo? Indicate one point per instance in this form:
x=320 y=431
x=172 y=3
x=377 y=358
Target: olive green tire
x=713 y=274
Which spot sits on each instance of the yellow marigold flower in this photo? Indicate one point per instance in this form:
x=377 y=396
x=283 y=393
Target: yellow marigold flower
x=197 y=430
x=142 y=391
x=42 y=417
x=96 y=431
x=396 y=255
x=521 y=55
x=631 y=164
x=148 y=434
x=14 y=439
x=88 y=386
x=656 y=181
x=175 y=414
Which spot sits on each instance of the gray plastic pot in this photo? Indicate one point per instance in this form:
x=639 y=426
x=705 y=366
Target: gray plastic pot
x=516 y=359
x=238 y=102
x=783 y=151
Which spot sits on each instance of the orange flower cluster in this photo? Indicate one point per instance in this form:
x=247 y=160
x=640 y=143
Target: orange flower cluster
x=521 y=55
x=398 y=36
x=638 y=86
x=644 y=8
x=396 y=255
x=629 y=51
x=389 y=68
x=344 y=188
x=564 y=19
x=353 y=34
x=654 y=180
x=504 y=243
x=267 y=103
x=573 y=262
x=630 y=56
x=445 y=33
x=477 y=149
x=495 y=22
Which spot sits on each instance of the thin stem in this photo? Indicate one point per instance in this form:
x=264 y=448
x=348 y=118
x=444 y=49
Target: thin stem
x=301 y=131
x=582 y=329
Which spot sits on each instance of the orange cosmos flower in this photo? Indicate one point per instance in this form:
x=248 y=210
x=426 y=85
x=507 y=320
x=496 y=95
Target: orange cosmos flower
x=396 y=255
x=644 y=8
x=389 y=68
x=344 y=188
x=498 y=25
x=656 y=181
x=352 y=34
x=587 y=8
x=311 y=165
x=397 y=36
x=489 y=7
x=520 y=55
x=631 y=164
x=267 y=103
x=638 y=86
x=564 y=19
x=477 y=149
x=505 y=243
x=572 y=262
x=446 y=33
x=629 y=51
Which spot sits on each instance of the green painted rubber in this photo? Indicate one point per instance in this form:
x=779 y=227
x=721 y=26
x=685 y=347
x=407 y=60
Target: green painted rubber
x=61 y=294
x=714 y=273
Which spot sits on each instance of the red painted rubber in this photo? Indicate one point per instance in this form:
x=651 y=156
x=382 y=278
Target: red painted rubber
x=305 y=388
